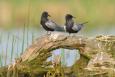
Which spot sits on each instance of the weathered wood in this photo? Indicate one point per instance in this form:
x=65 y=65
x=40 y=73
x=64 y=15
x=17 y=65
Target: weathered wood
x=54 y=41
x=33 y=60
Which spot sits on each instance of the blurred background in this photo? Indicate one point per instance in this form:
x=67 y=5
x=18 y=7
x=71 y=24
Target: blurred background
x=20 y=21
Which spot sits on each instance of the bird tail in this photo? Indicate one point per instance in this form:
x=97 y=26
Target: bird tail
x=60 y=28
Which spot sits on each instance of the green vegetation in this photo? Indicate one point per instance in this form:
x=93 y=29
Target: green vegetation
x=97 y=13
x=26 y=14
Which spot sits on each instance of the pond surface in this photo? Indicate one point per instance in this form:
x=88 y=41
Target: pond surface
x=13 y=42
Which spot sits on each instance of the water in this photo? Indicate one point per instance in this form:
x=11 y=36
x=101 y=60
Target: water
x=13 y=42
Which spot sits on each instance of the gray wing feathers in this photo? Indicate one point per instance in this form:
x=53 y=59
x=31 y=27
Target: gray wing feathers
x=54 y=26
x=51 y=24
x=77 y=27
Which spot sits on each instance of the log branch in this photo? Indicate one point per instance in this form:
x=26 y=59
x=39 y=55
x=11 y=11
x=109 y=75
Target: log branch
x=36 y=54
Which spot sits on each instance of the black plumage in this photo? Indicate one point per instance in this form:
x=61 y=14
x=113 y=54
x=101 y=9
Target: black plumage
x=48 y=24
x=72 y=27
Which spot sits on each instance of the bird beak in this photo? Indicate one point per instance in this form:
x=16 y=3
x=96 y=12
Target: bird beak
x=49 y=15
x=74 y=17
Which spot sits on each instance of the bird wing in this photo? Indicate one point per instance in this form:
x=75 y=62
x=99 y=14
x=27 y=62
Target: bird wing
x=77 y=27
x=51 y=24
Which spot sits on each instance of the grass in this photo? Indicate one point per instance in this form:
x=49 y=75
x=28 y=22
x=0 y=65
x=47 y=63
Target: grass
x=15 y=51
x=13 y=41
x=13 y=46
x=0 y=54
x=1 y=61
x=12 y=50
x=7 y=48
x=28 y=18
x=95 y=12
x=87 y=10
x=23 y=39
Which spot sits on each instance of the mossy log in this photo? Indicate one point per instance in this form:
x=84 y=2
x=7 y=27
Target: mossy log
x=32 y=63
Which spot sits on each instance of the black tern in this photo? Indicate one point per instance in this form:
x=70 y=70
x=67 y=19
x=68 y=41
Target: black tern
x=48 y=24
x=72 y=27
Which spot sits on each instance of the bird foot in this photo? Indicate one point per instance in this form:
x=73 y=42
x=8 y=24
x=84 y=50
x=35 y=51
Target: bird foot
x=71 y=35
x=48 y=33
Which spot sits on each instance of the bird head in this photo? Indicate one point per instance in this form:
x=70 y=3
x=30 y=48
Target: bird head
x=45 y=14
x=69 y=16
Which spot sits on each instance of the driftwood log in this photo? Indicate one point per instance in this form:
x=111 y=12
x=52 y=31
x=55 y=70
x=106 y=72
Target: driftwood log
x=32 y=63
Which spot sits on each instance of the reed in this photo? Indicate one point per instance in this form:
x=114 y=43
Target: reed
x=6 y=53
x=32 y=36
x=28 y=20
x=12 y=50
x=17 y=49
x=23 y=40
x=0 y=53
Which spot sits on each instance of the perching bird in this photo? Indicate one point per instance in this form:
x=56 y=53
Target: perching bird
x=48 y=24
x=72 y=27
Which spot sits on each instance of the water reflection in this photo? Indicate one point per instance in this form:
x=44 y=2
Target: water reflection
x=13 y=42
x=68 y=57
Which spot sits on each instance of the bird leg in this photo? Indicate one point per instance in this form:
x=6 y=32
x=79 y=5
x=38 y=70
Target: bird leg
x=48 y=32
x=71 y=34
